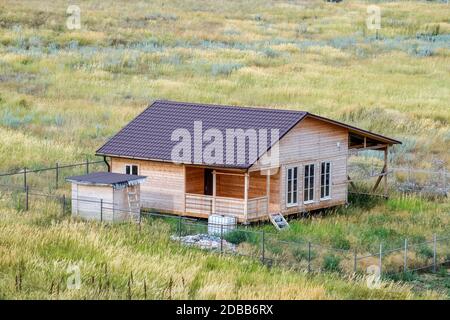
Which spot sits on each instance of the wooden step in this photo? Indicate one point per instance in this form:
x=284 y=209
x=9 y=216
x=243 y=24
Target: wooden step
x=278 y=221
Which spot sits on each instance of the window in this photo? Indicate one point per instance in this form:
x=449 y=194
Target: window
x=309 y=183
x=291 y=190
x=325 y=169
x=131 y=169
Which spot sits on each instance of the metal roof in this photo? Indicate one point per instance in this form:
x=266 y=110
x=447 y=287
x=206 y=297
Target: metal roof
x=107 y=178
x=148 y=136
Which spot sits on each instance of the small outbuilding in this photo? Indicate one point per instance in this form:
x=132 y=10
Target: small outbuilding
x=106 y=196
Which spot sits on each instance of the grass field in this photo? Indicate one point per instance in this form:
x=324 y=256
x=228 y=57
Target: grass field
x=120 y=262
x=64 y=92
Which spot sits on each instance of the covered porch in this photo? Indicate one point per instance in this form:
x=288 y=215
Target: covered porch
x=248 y=196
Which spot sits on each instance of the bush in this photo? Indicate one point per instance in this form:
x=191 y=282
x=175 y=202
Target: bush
x=236 y=237
x=331 y=263
x=340 y=242
x=302 y=254
x=224 y=68
x=424 y=251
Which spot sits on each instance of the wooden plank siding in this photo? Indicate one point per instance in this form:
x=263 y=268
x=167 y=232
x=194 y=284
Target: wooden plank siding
x=164 y=187
x=86 y=202
x=312 y=142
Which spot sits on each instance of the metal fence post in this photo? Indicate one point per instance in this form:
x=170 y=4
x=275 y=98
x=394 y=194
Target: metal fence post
x=179 y=227
x=25 y=178
x=221 y=238
x=405 y=257
x=26 y=198
x=263 y=245
x=355 y=261
x=309 y=256
x=140 y=219
x=57 y=174
x=63 y=204
x=101 y=210
x=87 y=166
x=434 y=252
x=380 y=262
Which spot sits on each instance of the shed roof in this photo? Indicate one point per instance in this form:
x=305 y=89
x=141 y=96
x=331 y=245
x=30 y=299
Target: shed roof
x=107 y=178
x=148 y=136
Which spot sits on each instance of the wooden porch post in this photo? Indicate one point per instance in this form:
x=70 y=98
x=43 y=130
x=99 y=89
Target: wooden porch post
x=246 y=183
x=268 y=190
x=214 y=192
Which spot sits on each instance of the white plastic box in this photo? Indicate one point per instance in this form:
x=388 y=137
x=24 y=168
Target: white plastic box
x=215 y=223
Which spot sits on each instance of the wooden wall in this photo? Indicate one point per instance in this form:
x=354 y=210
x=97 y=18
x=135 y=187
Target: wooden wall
x=164 y=187
x=86 y=201
x=313 y=141
x=195 y=180
x=231 y=186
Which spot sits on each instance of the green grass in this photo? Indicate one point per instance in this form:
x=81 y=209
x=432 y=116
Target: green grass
x=367 y=223
x=119 y=262
x=63 y=93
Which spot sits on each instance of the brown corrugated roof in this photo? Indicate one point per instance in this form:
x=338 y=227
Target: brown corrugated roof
x=148 y=136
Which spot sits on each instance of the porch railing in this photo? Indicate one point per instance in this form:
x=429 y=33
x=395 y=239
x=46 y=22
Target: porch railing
x=257 y=207
x=203 y=204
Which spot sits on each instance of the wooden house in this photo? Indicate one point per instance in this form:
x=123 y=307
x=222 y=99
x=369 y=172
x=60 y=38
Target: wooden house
x=310 y=171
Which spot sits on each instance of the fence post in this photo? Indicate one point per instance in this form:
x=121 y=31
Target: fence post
x=434 y=252
x=57 y=174
x=309 y=256
x=380 y=262
x=87 y=166
x=25 y=178
x=101 y=210
x=140 y=219
x=355 y=261
x=221 y=238
x=263 y=247
x=179 y=227
x=405 y=257
x=26 y=197
x=63 y=204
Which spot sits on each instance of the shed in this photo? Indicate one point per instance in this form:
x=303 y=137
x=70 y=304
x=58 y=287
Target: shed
x=106 y=196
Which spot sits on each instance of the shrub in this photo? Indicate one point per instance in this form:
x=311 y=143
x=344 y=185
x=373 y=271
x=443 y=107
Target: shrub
x=224 y=68
x=270 y=53
x=301 y=254
x=424 y=251
x=331 y=263
x=340 y=242
x=236 y=237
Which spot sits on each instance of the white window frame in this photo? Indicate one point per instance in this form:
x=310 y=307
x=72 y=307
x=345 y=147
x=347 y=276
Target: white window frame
x=313 y=183
x=292 y=203
x=327 y=197
x=131 y=168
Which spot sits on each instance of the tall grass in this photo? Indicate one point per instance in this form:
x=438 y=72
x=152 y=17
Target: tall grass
x=40 y=248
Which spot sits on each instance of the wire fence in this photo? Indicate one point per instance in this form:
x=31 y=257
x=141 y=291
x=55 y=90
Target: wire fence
x=268 y=247
x=49 y=178
x=428 y=182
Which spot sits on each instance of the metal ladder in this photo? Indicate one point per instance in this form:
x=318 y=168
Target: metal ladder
x=278 y=221
x=133 y=202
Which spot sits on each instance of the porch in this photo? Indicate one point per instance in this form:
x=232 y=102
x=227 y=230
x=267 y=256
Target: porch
x=244 y=195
